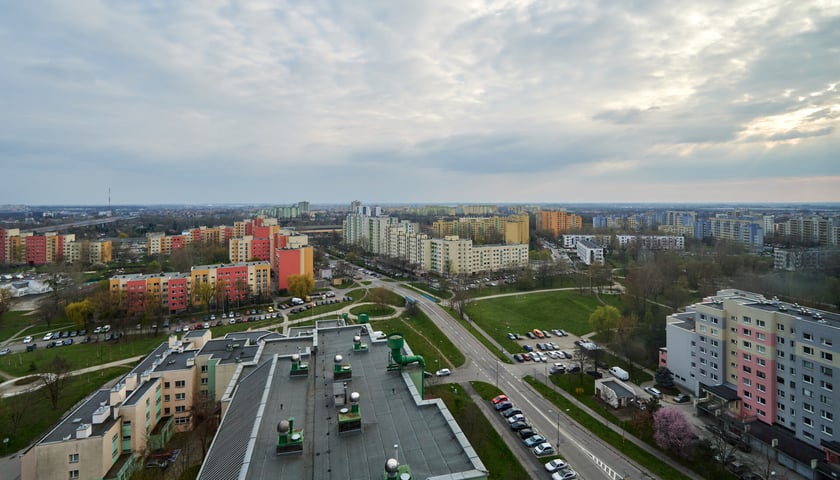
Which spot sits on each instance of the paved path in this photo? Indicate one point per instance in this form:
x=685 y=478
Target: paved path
x=8 y=388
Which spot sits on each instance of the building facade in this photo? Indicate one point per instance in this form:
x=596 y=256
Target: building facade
x=557 y=222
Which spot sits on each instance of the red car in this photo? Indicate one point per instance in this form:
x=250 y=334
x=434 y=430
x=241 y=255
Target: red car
x=500 y=398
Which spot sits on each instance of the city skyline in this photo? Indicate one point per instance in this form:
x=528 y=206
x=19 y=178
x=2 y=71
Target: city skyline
x=486 y=102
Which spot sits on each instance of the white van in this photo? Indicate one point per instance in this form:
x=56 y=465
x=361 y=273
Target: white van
x=619 y=373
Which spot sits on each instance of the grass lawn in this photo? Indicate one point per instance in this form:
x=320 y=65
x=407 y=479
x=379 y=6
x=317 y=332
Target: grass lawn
x=373 y=310
x=544 y=310
x=37 y=414
x=425 y=339
x=493 y=451
x=12 y=322
x=79 y=355
x=424 y=287
x=357 y=294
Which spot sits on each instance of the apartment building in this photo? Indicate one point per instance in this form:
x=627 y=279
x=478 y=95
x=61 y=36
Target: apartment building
x=590 y=253
x=558 y=222
x=369 y=232
x=798 y=259
x=747 y=231
x=571 y=240
x=161 y=244
x=254 y=276
x=169 y=290
x=760 y=360
x=652 y=242
x=813 y=229
x=457 y=256
x=512 y=229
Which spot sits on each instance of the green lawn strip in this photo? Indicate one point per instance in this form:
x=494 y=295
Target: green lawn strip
x=637 y=375
x=223 y=330
x=37 y=412
x=423 y=287
x=493 y=451
x=478 y=336
x=357 y=294
x=629 y=449
x=372 y=310
x=564 y=309
x=80 y=355
x=486 y=391
x=425 y=339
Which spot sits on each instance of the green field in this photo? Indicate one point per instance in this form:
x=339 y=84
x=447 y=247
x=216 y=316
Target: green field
x=521 y=313
x=493 y=451
x=36 y=413
x=425 y=339
x=13 y=322
x=373 y=310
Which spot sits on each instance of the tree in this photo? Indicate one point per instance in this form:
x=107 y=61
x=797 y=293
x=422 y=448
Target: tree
x=300 y=285
x=205 y=291
x=54 y=377
x=672 y=431
x=5 y=301
x=604 y=320
x=241 y=288
x=379 y=296
x=80 y=312
x=664 y=377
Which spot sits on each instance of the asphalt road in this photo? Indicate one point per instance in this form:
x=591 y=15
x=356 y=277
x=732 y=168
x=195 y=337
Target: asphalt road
x=583 y=451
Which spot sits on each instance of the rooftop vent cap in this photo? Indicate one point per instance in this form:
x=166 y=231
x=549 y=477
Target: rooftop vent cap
x=283 y=427
x=392 y=466
x=338 y=359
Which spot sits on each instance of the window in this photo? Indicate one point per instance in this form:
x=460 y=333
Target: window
x=808 y=350
x=826 y=385
x=747 y=394
x=760 y=336
x=74 y=458
x=74 y=474
x=166 y=398
x=180 y=409
x=827 y=356
x=808 y=364
x=761 y=387
x=747 y=344
x=825 y=400
x=826 y=341
x=781 y=340
x=761 y=323
x=180 y=396
x=166 y=411
x=746 y=369
x=761 y=361
x=182 y=420
x=808 y=379
x=747 y=320
x=747 y=332
x=165 y=384
x=807 y=393
x=714 y=376
x=808 y=407
x=760 y=348
x=760 y=374
x=204 y=369
x=828 y=372
x=204 y=381
x=747 y=382
x=780 y=327
x=827 y=415
x=180 y=384
x=747 y=357
x=808 y=336
x=827 y=430
x=807 y=421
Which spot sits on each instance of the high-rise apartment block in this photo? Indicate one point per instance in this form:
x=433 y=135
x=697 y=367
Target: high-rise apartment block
x=50 y=248
x=813 y=229
x=753 y=359
x=557 y=222
x=512 y=229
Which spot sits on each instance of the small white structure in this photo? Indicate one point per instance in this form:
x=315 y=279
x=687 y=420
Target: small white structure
x=614 y=392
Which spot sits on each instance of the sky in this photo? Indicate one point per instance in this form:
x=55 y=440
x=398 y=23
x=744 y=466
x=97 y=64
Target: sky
x=419 y=101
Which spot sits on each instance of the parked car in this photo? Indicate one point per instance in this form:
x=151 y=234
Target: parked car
x=555 y=465
x=517 y=426
x=443 y=372
x=532 y=442
x=5 y=351
x=27 y=339
x=654 y=392
x=564 y=475
x=518 y=357
x=31 y=347
x=47 y=336
x=516 y=418
x=526 y=432
x=511 y=412
x=527 y=348
x=544 y=448
x=501 y=406
x=499 y=399
x=594 y=373
x=68 y=341
x=681 y=398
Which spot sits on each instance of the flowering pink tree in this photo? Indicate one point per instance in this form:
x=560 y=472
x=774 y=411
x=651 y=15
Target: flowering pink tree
x=672 y=431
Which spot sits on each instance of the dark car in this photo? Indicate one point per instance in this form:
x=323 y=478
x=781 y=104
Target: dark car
x=517 y=426
x=527 y=348
x=681 y=398
x=31 y=347
x=518 y=357
x=594 y=373
x=511 y=412
x=526 y=432
x=574 y=369
x=68 y=341
x=503 y=406
x=530 y=335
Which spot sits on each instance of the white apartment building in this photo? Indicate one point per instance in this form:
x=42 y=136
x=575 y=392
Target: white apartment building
x=590 y=253
x=653 y=242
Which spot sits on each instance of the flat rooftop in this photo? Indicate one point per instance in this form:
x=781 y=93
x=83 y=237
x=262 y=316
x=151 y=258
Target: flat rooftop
x=82 y=415
x=430 y=442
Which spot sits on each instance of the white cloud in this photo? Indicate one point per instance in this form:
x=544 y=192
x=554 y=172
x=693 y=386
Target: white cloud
x=419 y=100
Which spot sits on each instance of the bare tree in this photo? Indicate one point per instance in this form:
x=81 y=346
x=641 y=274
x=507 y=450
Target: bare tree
x=54 y=378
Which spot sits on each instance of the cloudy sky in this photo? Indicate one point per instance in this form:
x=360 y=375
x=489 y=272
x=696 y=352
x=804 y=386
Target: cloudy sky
x=400 y=101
